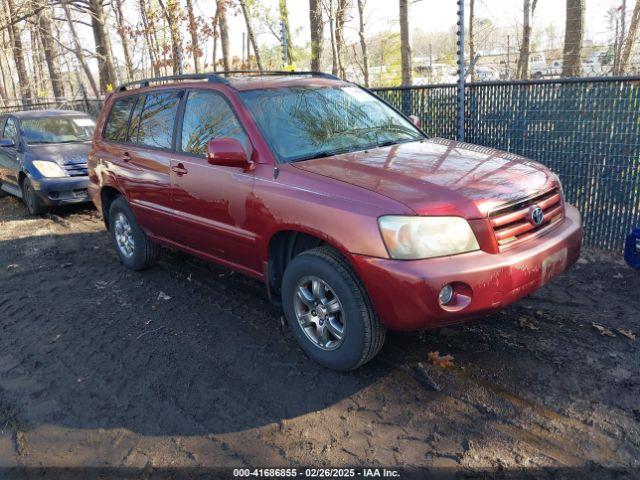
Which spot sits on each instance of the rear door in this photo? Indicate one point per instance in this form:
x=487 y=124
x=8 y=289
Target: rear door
x=211 y=201
x=140 y=152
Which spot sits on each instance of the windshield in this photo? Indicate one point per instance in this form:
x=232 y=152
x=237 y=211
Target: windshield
x=306 y=122
x=57 y=129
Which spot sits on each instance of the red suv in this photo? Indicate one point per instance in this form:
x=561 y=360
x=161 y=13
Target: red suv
x=354 y=219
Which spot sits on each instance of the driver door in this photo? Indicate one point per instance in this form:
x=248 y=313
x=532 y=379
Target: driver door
x=9 y=161
x=210 y=201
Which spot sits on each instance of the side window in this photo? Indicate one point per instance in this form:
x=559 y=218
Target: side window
x=157 y=119
x=207 y=115
x=11 y=130
x=132 y=136
x=118 y=121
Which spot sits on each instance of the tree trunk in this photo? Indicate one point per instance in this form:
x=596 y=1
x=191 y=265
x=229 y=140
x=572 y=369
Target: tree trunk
x=284 y=18
x=472 y=45
x=50 y=52
x=148 y=35
x=574 y=31
x=18 y=53
x=224 y=33
x=317 y=31
x=525 y=46
x=193 y=31
x=124 y=38
x=78 y=49
x=106 y=71
x=334 y=52
x=341 y=13
x=405 y=43
x=252 y=38
x=631 y=39
x=363 y=43
x=171 y=12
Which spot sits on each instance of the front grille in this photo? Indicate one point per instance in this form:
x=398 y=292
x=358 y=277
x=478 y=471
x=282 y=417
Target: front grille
x=512 y=223
x=76 y=169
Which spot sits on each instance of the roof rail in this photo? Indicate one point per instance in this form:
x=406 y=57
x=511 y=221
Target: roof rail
x=218 y=77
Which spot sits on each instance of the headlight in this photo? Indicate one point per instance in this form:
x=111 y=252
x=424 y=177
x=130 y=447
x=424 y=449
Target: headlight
x=49 y=169
x=426 y=237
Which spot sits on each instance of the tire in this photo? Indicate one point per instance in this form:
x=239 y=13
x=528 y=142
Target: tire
x=362 y=334
x=125 y=232
x=30 y=199
x=2 y=192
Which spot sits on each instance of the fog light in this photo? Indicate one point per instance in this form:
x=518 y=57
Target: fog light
x=446 y=294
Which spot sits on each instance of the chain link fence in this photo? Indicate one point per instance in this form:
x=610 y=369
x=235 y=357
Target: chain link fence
x=586 y=130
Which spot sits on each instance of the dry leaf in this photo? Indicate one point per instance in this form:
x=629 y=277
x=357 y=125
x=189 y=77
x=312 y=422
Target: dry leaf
x=440 y=360
x=163 y=296
x=627 y=333
x=526 y=323
x=603 y=330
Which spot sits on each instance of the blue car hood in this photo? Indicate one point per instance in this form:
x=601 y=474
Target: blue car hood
x=61 y=153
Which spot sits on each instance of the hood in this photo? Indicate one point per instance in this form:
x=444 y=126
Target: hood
x=61 y=153
x=438 y=176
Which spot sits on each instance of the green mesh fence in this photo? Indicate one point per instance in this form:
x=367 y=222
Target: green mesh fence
x=586 y=130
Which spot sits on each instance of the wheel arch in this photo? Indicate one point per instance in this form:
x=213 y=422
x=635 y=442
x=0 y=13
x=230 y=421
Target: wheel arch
x=285 y=244
x=107 y=195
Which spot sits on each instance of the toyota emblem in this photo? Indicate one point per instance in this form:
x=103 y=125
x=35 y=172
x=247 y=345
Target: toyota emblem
x=536 y=216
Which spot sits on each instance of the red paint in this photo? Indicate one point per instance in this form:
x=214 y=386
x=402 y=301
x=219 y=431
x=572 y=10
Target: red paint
x=228 y=214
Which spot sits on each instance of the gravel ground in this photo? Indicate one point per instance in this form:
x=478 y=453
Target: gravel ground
x=187 y=366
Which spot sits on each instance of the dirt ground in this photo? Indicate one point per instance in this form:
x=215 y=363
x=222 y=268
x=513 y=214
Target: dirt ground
x=187 y=367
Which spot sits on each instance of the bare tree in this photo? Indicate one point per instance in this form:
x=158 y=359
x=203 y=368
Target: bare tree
x=405 y=43
x=316 y=27
x=48 y=47
x=363 y=42
x=573 y=34
x=18 y=52
x=284 y=18
x=106 y=70
x=78 y=48
x=334 y=53
x=529 y=7
x=148 y=28
x=630 y=40
x=124 y=37
x=252 y=38
x=193 y=31
x=171 y=11
x=224 y=33
x=341 y=18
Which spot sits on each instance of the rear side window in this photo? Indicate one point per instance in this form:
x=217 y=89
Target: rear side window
x=118 y=121
x=157 y=119
x=207 y=116
x=11 y=130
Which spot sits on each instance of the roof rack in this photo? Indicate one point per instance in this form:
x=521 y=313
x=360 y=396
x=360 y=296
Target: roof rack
x=219 y=77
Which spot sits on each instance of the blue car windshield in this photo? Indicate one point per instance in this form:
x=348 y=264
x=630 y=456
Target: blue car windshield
x=305 y=122
x=57 y=129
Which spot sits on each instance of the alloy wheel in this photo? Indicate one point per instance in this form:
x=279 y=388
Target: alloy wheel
x=124 y=235
x=319 y=312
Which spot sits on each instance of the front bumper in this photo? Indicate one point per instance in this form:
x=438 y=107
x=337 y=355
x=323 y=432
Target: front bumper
x=405 y=293
x=62 y=191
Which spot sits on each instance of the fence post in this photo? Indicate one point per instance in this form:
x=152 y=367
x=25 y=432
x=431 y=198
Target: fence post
x=461 y=72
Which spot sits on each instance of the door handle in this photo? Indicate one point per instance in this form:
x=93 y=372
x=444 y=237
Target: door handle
x=126 y=157
x=179 y=169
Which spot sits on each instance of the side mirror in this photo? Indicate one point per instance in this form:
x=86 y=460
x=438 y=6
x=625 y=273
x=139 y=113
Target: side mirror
x=7 y=142
x=415 y=120
x=228 y=152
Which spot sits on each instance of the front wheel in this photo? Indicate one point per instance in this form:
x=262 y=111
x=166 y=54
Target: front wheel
x=134 y=247
x=31 y=200
x=329 y=312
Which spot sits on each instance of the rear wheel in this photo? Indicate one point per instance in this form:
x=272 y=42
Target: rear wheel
x=134 y=247
x=31 y=200
x=329 y=312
